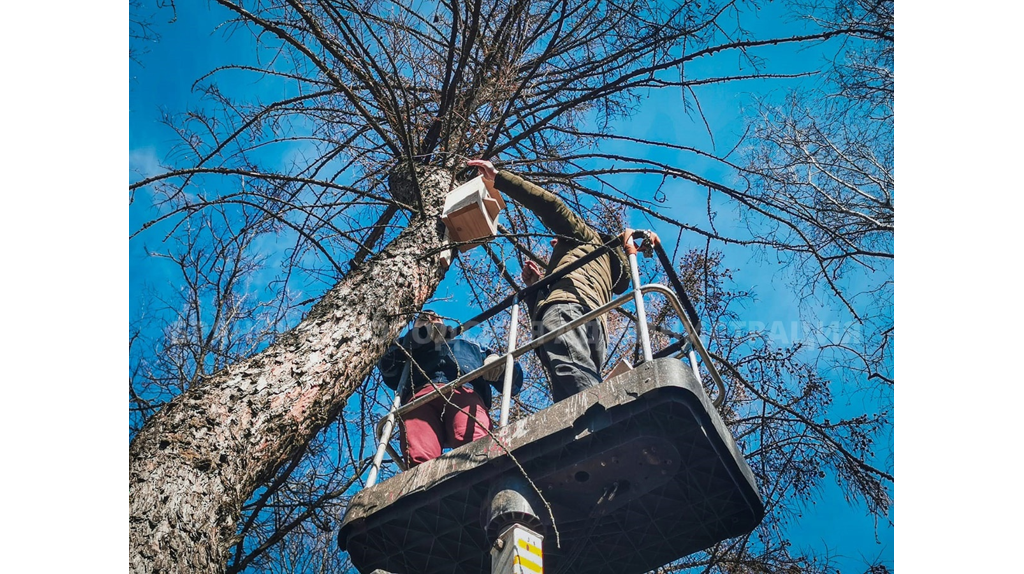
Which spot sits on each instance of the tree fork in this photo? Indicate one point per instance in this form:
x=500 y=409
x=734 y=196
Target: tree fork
x=195 y=462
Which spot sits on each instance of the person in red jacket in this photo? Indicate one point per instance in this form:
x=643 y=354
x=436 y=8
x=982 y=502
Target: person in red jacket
x=439 y=358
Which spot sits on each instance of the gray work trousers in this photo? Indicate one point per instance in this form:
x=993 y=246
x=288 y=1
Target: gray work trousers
x=573 y=360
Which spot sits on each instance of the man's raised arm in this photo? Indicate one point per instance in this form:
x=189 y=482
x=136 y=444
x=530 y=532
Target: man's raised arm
x=548 y=207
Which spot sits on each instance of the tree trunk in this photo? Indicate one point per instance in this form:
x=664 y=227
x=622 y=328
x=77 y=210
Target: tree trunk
x=195 y=462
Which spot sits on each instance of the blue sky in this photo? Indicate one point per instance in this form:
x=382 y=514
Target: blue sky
x=958 y=301
x=189 y=47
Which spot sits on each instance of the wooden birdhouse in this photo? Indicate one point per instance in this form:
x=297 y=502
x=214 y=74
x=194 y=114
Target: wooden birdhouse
x=471 y=213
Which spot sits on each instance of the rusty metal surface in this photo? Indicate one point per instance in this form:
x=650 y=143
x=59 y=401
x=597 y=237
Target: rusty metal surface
x=638 y=471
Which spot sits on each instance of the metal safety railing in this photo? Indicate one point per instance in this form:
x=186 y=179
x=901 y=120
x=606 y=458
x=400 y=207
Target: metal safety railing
x=690 y=345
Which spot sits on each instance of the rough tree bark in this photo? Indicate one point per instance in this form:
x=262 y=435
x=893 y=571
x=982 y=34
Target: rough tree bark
x=194 y=463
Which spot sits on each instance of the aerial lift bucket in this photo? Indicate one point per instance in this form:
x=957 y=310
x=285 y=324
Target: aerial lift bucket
x=622 y=478
x=637 y=472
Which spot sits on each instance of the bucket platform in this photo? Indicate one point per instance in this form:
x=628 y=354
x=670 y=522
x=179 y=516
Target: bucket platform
x=637 y=471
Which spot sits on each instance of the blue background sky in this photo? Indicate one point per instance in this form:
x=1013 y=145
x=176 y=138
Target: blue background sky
x=190 y=47
x=958 y=297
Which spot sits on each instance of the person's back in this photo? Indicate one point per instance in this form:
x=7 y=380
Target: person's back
x=436 y=364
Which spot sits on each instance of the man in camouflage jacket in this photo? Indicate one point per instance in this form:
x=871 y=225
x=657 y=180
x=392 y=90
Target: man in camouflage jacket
x=573 y=360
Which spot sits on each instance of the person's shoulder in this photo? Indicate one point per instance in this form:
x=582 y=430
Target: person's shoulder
x=466 y=344
x=467 y=351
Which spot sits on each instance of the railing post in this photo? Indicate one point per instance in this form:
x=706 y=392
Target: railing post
x=641 y=315
x=506 y=388
x=389 y=425
x=693 y=364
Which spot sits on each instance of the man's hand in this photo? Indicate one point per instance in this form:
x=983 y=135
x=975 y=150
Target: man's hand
x=494 y=374
x=485 y=168
x=532 y=273
x=631 y=246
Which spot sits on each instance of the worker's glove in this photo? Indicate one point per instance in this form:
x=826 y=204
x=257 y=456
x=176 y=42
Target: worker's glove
x=494 y=374
x=650 y=241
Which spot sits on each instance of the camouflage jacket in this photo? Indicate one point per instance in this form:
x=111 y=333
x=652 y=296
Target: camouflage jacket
x=591 y=285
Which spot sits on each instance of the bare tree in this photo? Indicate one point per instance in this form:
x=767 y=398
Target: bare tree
x=141 y=26
x=821 y=166
x=229 y=463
